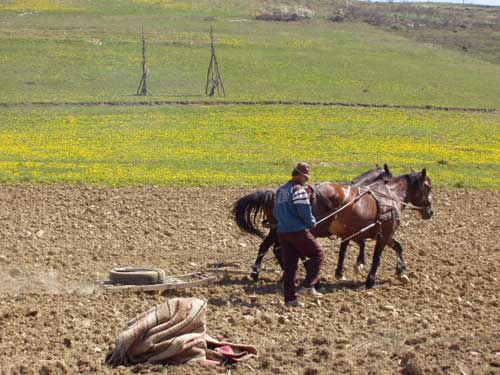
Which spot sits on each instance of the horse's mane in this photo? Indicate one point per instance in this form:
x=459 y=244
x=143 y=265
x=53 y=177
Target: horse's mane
x=365 y=175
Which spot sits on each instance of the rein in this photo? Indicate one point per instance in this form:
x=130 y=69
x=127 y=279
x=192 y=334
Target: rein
x=342 y=207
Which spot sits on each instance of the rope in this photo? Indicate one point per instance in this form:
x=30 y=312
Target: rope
x=360 y=231
x=341 y=208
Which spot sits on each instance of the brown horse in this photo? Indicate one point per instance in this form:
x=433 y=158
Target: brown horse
x=359 y=213
x=374 y=212
x=248 y=208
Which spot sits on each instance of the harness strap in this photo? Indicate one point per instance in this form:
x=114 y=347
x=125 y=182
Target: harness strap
x=409 y=205
x=322 y=197
x=395 y=205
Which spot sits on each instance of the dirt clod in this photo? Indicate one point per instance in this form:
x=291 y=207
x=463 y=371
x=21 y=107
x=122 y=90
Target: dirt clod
x=311 y=371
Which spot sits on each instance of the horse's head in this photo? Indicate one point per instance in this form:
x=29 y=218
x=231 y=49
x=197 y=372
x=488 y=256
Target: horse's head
x=420 y=194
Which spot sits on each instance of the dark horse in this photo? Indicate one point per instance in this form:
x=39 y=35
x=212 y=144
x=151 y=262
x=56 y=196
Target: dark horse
x=373 y=212
x=249 y=208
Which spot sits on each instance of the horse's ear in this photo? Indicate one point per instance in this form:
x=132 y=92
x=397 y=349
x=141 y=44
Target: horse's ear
x=412 y=170
x=377 y=166
x=424 y=175
x=387 y=170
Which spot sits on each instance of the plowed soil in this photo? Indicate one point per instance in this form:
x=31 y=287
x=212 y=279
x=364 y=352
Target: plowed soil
x=56 y=241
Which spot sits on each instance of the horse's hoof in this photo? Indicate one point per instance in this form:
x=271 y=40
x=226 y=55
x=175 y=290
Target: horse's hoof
x=340 y=277
x=370 y=282
x=404 y=278
x=358 y=268
x=254 y=276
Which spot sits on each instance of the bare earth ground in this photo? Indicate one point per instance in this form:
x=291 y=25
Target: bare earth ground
x=56 y=241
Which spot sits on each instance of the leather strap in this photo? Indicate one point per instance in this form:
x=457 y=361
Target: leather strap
x=322 y=198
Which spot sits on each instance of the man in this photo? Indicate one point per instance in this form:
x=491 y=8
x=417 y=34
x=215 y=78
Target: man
x=295 y=219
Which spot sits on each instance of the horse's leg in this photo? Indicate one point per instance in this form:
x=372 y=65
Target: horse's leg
x=263 y=249
x=273 y=236
x=277 y=253
x=339 y=272
x=360 y=261
x=400 y=265
x=377 y=254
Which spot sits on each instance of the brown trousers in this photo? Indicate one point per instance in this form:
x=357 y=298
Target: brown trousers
x=297 y=245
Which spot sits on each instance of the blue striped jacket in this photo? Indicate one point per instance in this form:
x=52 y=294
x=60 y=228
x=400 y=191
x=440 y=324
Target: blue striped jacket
x=292 y=209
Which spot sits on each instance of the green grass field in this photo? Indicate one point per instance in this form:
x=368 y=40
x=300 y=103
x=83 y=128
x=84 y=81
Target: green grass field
x=89 y=50
x=242 y=146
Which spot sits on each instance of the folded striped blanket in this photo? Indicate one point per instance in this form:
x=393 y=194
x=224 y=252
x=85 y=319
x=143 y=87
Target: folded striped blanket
x=174 y=332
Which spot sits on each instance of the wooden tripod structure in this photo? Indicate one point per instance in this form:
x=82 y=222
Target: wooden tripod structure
x=143 y=84
x=214 y=78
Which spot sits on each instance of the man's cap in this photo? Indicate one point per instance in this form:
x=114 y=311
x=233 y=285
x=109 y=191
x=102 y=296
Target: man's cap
x=303 y=169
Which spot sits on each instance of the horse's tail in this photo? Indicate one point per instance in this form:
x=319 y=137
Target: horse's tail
x=247 y=209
